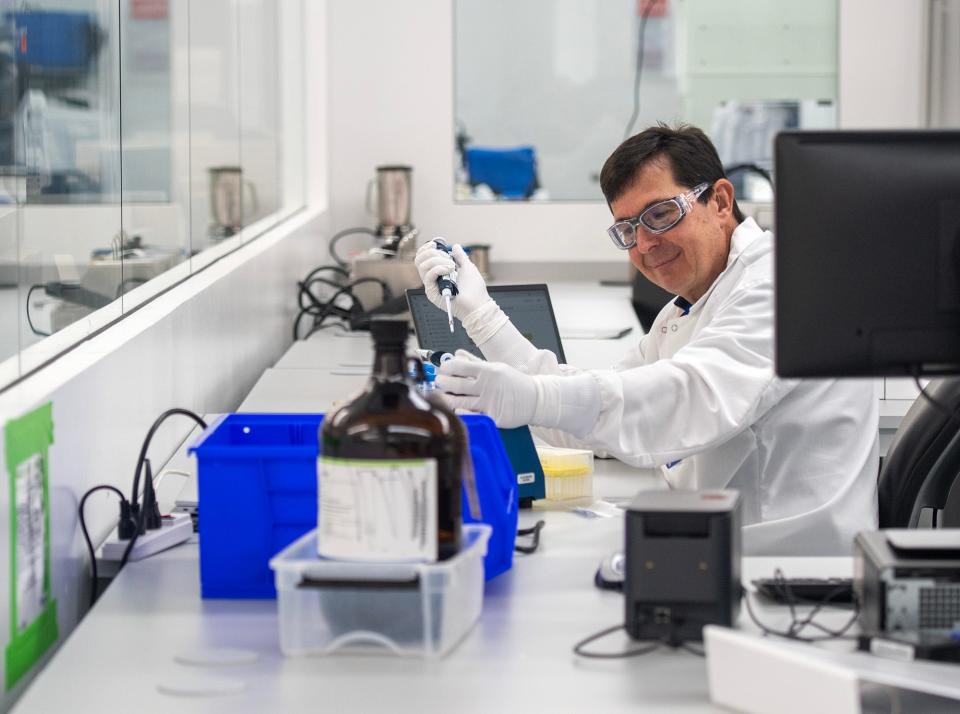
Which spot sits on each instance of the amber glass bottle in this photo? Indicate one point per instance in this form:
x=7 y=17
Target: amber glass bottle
x=389 y=474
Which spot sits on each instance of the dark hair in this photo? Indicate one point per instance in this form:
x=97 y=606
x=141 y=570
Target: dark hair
x=691 y=156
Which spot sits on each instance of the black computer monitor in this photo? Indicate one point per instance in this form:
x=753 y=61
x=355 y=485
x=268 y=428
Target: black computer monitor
x=867 y=252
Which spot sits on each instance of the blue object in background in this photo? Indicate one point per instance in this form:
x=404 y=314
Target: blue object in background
x=531 y=483
x=55 y=40
x=496 y=490
x=257 y=493
x=511 y=173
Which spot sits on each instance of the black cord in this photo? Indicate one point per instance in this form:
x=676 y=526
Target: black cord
x=316 y=306
x=343 y=234
x=578 y=648
x=693 y=650
x=346 y=289
x=333 y=268
x=797 y=625
x=639 y=67
x=313 y=300
x=86 y=537
x=749 y=168
x=319 y=309
x=141 y=512
x=33 y=329
x=535 y=532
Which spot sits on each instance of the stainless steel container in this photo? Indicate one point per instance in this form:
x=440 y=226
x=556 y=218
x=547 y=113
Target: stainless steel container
x=480 y=256
x=393 y=199
x=232 y=198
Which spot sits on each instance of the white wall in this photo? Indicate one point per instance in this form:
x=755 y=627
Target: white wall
x=391 y=101
x=566 y=88
x=202 y=345
x=883 y=64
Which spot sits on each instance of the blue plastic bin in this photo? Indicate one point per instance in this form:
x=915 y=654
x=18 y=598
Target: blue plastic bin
x=257 y=493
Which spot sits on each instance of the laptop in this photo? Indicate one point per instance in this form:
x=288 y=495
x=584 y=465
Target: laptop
x=527 y=306
x=530 y=310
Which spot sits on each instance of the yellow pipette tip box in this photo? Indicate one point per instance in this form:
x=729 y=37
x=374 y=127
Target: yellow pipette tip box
x=568 y=472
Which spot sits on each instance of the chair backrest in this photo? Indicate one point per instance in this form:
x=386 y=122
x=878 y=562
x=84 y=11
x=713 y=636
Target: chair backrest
x=511 y=173
x=923 y=461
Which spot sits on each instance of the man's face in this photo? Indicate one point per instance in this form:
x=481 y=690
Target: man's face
x=686 y=259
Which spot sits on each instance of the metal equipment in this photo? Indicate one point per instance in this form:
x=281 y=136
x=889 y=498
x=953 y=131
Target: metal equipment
x=908 y=580
x=392 y=259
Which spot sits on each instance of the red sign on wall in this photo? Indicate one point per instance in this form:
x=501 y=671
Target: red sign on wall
x=148 y=9
x=651 y=8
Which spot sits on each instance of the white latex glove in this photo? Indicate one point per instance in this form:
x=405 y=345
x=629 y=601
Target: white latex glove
x=433 y=263
x=506 y=395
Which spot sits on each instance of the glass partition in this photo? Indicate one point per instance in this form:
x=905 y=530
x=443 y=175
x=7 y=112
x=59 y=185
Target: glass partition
x=139 y=140
x=66 y=136
x=546 y=89
x=154 y=244
x=259 y=110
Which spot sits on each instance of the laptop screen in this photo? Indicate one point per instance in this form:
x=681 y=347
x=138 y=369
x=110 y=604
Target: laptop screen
x=527 y=306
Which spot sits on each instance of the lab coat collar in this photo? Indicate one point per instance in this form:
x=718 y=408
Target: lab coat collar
x=743 y=236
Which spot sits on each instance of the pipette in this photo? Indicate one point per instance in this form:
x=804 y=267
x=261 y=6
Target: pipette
x=447 y=284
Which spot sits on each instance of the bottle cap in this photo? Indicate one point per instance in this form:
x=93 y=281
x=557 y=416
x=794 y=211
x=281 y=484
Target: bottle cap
x=389 y=332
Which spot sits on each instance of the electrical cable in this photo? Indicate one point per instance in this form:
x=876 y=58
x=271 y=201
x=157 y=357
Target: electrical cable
x=316 y=305
x=798 y=624
x=140 y=512
x=638 y=71
x=333 y=268
x=343 y=234
x=699 y=652
x=535 y=532
x=33 y=329
x=347 y=289
x=311 y=304
x=86 y=535
x=304 y=290
x=166 y=472
x=578 y=648
x=749 y=168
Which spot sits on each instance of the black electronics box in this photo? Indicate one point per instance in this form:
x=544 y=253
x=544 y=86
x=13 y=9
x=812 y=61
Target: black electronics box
x=682 y=568
x=907 y=581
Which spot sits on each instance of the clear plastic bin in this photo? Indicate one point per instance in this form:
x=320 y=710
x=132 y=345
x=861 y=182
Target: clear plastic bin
x=568 y=472
x=409 y=609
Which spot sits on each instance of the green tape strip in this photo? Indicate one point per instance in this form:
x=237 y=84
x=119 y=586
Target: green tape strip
x=25 y=437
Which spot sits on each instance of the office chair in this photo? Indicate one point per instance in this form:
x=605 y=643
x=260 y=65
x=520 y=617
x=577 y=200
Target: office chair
x=510 y=173
x=923 y=461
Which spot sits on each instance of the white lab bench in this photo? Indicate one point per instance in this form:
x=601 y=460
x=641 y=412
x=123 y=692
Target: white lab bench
x=518 y=658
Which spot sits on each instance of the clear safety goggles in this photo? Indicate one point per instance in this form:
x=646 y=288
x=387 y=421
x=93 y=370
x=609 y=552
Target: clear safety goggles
x=658 y=218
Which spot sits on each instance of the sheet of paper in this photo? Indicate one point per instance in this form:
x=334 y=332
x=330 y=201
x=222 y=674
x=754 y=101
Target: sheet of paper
x=31 y=598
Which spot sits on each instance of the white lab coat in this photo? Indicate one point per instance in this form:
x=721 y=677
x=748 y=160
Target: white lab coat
x=699 y=399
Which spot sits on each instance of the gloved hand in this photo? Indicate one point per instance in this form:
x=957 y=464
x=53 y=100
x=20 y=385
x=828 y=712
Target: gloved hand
x=433 y=263
x=506 y=395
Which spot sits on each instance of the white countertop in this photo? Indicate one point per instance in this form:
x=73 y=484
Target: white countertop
x=517 y=658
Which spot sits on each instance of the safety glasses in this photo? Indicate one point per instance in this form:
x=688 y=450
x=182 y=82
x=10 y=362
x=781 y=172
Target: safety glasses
x=658 y=218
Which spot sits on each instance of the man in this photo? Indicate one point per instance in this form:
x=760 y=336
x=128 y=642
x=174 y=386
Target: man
x=698 y=396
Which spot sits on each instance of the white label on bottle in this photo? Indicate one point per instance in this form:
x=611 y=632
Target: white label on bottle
x=526 y=478
x=377 y=510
